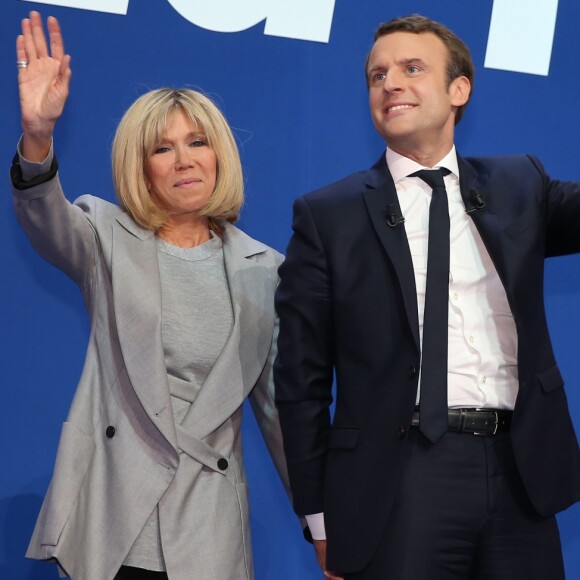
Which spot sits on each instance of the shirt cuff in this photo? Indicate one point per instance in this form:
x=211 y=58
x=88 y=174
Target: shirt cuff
x=316 y=524
x=30 y=169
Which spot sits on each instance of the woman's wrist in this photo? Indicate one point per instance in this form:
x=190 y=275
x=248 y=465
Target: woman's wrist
x=35 y=148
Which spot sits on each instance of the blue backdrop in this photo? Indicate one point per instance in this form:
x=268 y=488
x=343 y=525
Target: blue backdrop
x=292 y=87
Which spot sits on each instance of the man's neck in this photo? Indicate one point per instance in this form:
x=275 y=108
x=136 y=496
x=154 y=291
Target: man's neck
x=427 y=156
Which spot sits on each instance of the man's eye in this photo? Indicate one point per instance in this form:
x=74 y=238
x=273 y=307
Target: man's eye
x=377 y=77
x=413 y=69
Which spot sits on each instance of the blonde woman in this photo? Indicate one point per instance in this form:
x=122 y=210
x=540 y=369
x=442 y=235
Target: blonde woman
x=149 y=479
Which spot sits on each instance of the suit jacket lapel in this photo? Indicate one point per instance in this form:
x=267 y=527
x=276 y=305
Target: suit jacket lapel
x=242 y=359
x=485 y=219
x=380 y=194
x=137 y=300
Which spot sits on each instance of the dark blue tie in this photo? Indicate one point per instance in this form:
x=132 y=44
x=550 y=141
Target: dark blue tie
x=433 y=421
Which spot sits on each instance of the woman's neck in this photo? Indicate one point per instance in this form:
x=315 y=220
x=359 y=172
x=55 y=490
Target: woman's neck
x=185 y=234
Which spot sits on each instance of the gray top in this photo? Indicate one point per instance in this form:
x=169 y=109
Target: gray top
x=196 y=320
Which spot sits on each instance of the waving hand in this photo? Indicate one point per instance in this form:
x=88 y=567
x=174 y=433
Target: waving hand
x=43 y=83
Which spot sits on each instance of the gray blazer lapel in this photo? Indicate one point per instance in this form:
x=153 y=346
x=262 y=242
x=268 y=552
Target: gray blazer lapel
x=245 y=352
x=381 y=194
x=137 y=299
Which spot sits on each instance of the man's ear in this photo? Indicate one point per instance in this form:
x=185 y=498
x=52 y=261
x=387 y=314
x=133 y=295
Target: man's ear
x=459 y=89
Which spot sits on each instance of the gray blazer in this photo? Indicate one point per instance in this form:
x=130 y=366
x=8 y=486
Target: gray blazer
x=120 y=452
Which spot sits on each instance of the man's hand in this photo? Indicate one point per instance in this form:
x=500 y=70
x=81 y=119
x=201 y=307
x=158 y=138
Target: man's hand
x=320 y=547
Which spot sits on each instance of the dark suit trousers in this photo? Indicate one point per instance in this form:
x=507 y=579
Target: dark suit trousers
x=461 y=513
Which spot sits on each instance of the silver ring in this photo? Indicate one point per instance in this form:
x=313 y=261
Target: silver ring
x=21 y=63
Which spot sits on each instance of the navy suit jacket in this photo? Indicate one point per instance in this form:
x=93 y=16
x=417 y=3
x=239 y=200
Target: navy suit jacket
x=348 y=308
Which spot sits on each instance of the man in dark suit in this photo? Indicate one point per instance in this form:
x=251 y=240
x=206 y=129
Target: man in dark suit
x=388 y=493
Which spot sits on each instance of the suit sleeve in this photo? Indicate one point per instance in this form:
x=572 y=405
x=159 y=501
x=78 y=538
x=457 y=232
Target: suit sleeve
x=264 y=408
x=303 y=370
x=562 y=214
x=58 y=230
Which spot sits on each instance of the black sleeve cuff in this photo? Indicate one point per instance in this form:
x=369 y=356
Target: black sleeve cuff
x=20 y=184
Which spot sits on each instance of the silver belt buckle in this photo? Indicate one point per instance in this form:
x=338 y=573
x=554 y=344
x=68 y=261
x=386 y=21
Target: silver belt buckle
x=495 y=426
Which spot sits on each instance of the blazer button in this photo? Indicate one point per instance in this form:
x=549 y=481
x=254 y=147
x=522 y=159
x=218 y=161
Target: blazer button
x=222 y=463
x=412 y=371
x=110 y=431
x=401 y=431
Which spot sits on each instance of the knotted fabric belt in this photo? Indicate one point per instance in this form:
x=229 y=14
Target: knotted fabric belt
x=482 y=422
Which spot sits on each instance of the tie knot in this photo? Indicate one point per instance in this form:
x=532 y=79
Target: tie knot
x=432 y=177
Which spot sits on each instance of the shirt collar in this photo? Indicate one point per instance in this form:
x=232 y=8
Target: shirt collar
x=401 y=167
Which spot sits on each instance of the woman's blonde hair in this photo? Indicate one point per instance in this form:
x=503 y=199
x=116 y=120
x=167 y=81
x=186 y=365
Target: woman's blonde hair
x=143 y=126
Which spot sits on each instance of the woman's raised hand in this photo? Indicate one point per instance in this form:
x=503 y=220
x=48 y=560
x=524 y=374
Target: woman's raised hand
x=43 y=83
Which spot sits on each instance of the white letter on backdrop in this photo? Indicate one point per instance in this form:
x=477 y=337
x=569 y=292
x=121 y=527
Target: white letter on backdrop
x=300 y=19
x=521 y=35
x=111 y=6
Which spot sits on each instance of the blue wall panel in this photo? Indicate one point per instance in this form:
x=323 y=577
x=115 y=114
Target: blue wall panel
x=299 y=110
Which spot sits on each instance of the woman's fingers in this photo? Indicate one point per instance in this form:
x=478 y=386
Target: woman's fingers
x=34 y=45
x=29 y=47
x=20 y=51
x=65 y=71
x=38 y=35
x=56 y=42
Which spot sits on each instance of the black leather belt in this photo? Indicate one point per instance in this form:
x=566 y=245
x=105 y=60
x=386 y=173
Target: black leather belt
x=482 y=422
